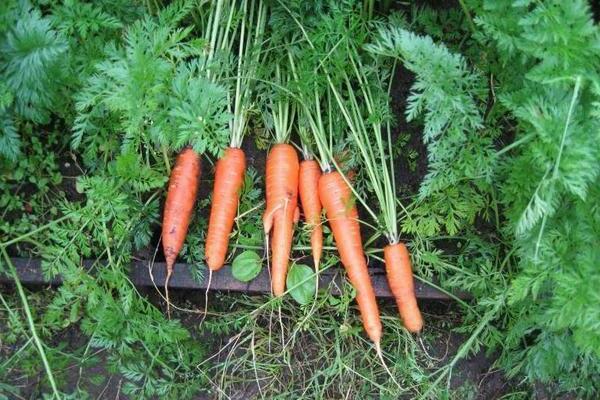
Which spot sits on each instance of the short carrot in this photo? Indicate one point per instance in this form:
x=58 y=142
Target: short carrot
x=281 y=209
x=229 y=178
x=308 y=186
x=342 y=215
x=400 y=279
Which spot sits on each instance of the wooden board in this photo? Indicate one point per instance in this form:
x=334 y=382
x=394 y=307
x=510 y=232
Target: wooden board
x=30 y=273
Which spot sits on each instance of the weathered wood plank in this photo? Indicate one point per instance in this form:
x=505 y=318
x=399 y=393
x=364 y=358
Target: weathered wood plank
x=30 y=273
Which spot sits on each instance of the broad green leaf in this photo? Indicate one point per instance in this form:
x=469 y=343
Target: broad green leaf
x=246 y=266
x=301 y=283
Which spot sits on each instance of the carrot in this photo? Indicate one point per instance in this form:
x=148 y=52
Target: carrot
x=400 y=279
x=336 y=197
x=229 y=178
x=281 y=210
x=308 y=186
x=181 y=196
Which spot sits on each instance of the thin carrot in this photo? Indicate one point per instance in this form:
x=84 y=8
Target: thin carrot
x=336 y=197
x=308 y=186
x=400 y=279
x=281 y=210
x=229 y=178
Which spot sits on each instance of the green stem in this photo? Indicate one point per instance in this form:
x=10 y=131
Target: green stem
x=567 y=123
x=166 y=160
x=15 y=355
x=468 y=15
x=34 y=335
x=514 y=144
x=33 y=232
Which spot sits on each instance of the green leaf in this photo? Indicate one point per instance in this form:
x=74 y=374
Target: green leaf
x=246 y=266
x=301 y=283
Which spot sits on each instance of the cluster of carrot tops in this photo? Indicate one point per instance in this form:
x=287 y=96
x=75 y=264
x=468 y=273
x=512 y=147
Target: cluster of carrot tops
x=317 y=112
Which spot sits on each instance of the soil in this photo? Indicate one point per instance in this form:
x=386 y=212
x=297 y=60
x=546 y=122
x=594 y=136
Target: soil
x=71 y=170
x=596 y=10
x=407 y=178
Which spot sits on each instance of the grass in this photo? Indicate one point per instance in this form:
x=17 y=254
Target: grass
x=272 y=348
x=263 y=347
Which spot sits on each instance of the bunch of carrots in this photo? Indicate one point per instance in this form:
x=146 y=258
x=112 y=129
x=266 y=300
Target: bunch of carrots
x=286 y=177
x=317 y=180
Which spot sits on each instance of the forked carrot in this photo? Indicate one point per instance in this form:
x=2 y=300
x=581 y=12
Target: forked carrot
x=308 y=186
x=179 y=205
x=229 y=178
x=281 y=209
x=400 y=279
x=342 y=215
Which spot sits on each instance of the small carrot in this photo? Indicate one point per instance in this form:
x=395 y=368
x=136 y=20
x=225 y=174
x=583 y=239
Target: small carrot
x=281 y=209
x=308 y=186
x=229 y=178
x=342 y=215
x=400 y=279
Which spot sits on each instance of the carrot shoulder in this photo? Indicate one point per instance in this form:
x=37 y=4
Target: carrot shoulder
x=400 y=279
x=342 y=215
x=229 y=178
x=308 y=186
x=181 y=197
x=281 y=210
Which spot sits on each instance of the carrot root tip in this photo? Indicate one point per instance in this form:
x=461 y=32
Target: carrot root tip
x=167 y=279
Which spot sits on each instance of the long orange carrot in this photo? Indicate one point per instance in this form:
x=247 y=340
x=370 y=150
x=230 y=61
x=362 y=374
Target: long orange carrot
x=336 y=197
x=181 y=196
x=400 y=279
x=229 y=178
x=281 y=210
x=308 y=186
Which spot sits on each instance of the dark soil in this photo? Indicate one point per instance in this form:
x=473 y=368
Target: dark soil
x=407 y=179
x=70 y=170
x=596 y=10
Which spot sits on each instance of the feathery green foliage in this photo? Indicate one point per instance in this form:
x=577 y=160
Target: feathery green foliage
x=33 y=54
x=32 y=57
x=447 y=95
x=155 y=87
x=549 y=188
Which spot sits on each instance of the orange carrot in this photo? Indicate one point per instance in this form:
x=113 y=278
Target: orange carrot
x=308 y=186
x=229 y=178
x=400 y=279
x=181 y=196
x=281 y=210
x=336 y=197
